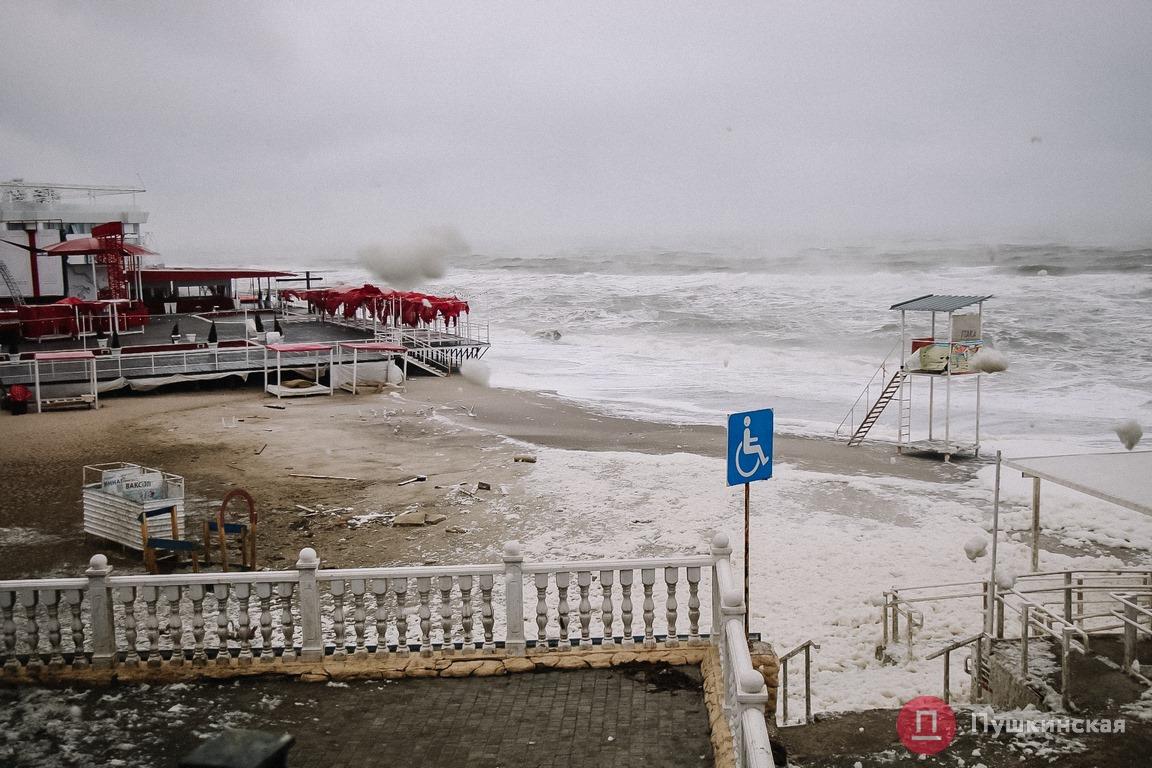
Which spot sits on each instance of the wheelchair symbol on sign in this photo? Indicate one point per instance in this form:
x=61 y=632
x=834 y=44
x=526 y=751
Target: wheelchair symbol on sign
x=749 y=447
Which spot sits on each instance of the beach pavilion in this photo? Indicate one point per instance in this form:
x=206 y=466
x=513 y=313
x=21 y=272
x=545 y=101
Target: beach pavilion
x=1124 y=479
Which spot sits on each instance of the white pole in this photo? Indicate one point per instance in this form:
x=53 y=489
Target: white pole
x=978 y=375
x=948 y=389
x=995 y=535
x=36 y=376
x=95 y=386
x=932 y=384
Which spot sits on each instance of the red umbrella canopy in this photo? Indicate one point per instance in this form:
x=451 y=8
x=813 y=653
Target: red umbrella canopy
x=90 y=245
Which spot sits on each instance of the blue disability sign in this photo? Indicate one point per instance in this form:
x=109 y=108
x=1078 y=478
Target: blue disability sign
x=749 y=446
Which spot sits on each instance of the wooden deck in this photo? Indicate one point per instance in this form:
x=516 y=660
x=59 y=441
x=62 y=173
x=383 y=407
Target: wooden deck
x=154 y=355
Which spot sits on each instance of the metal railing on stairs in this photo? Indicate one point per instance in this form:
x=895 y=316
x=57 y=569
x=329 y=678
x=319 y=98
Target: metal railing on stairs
x=1067 y=607
x=805 y=648
x=863 y=403
x=981 y=667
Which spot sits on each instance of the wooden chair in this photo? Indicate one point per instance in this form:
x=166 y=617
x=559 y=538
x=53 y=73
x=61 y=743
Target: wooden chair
x=151 y=544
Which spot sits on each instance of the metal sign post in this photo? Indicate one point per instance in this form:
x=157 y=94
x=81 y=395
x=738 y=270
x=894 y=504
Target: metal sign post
x=749 y=460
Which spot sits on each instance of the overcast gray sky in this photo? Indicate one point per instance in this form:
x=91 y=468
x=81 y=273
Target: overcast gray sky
x=317 y=128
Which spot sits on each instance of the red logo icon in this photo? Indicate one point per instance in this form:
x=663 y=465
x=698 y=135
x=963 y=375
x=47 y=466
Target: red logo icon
x=926 y=725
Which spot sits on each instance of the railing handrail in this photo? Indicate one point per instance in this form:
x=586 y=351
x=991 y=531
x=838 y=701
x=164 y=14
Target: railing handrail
x=691 y=561
x=1035 y=607
x=189 y=579
x=1135 y=608
x=882 y=368
x=409 y=572
x=13 y=585
x=806 y=644
x=954 y=646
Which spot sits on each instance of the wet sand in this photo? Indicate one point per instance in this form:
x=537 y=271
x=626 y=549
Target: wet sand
x=455 y=433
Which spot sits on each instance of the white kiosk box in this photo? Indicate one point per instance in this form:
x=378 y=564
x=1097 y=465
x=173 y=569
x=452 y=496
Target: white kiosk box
x=115 y=495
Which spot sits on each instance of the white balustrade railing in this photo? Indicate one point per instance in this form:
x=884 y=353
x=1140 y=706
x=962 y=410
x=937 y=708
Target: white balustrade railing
x=305 y=613
x=745 y=693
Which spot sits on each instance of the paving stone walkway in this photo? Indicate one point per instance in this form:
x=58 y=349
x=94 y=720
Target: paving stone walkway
x=636 y=716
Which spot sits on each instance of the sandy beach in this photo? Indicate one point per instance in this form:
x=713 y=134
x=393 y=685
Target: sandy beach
x=830 y=532
x=451 y=431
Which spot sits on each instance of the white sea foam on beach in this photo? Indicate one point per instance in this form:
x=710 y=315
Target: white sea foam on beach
x=873 y=533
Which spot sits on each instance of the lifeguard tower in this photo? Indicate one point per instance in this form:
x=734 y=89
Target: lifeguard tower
x=941 y=359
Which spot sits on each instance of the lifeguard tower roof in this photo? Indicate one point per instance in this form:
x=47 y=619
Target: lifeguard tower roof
x=938 y=303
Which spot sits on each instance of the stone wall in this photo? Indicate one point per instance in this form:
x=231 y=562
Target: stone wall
x=391 y=666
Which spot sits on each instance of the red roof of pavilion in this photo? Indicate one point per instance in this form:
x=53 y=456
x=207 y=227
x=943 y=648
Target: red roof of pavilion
x=159 y=274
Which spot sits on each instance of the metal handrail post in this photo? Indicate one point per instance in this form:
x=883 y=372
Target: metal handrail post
x=1068 y=597
x=908 y=631
x=978 y=687
x=947 y=675
x=884 y=619
x=808 y=683
x=1066 y=668
x=1132 y=618
x=1024 y=627
x=784 y=689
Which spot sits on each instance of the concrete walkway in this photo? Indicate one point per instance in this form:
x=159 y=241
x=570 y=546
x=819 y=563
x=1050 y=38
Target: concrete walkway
x=631 y=716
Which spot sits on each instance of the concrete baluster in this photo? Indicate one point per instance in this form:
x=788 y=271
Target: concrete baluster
x=626 y=604
x=223 y=656
x=445 y=583
x=359 y=614
x=264 y=594
x=423 y=588
x=671 y=577
x=648 y=578
x=175 y=625
x=693 y=606
x=541 y=580
x=75 y=598
x=101 y=613
x=486 y=612
x=606 y=580
x=7 y=603
x=51 y=601
x=29 y=600
x=284 y=593
x=243 y=594
x=151 y=598
x=563 y=609
x=584 y=582
x=336 y=589
x=380 y=591
x=515 y=642
x=466 y=612
x=400 y=588
x=196 y=594
x=127 y=597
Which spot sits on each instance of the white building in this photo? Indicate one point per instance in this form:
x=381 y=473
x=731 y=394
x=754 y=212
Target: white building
x=36 y=215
